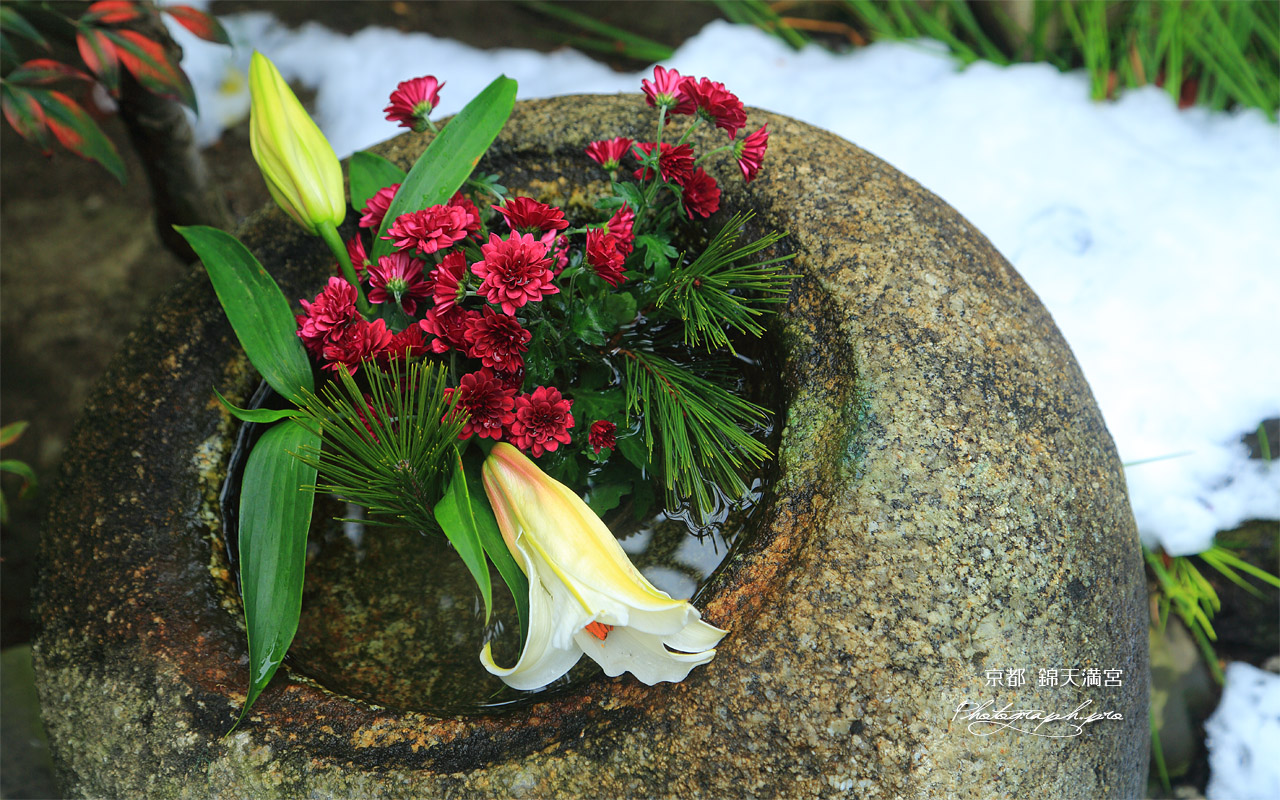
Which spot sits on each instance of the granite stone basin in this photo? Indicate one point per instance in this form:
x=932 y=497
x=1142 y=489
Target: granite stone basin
x=947 y=508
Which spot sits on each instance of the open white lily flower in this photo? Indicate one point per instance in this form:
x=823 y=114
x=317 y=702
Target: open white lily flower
x=585 y=595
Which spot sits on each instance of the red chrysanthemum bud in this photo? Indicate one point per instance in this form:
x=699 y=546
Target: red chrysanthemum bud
x=608 y=153
x=750 y=152
x=701 y=194
x=325 y=317
x=602 y=435
x=526 y=215
x=605 y=256
x=412 y=101
x=666 y=91
x=375 y=208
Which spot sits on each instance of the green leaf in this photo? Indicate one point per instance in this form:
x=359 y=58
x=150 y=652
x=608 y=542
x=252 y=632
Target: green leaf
x=452 y=155
x=262 y=415
x=10 y=433
x=275 y=513
x=496 y=547
x=603 y=499
x=621 y=306
x=20 y=468
x=12 y=21
x=149 y=62
x=256 y=308
x=369 y=173
x=458 y=522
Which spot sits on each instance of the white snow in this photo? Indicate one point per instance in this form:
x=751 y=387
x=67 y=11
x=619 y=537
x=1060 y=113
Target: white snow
x=1151 y=234
x=1243 y=737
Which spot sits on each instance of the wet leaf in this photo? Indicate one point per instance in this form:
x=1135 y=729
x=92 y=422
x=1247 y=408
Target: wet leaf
x=276 y=502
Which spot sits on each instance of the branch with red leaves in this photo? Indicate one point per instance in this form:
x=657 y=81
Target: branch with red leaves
x=108 y=35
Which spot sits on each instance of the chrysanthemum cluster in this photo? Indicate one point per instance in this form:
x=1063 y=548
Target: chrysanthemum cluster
x=486 y=290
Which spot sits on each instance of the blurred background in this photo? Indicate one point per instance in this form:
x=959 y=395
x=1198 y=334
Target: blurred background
x=82 y=261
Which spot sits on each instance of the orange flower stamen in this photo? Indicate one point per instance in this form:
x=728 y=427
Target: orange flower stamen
x=599 y=630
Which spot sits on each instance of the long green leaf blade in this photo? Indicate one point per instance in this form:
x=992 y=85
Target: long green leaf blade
x=458 y=522
x=256 y=308
x=449 y=159
x=496 y=547
x=370 y=172
x=275 y=514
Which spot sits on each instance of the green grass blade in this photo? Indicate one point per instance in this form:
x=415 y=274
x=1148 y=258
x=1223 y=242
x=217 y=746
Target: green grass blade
x=257 y=309
x=452 y=155
x=1226 y=557
x=1157 y=752
x=275 y=514
x=621 y=40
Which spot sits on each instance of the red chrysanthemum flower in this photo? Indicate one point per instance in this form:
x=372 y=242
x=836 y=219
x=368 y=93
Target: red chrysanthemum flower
x=355 y=251
x=488 y=402
x=355 y=343
x=701 y=195
x=447 y=281
x=406 y=344
x=526 y=215
x=398 y=278
x=750 y=152
x=666 y=90
x=621 y=225
x=716 y=104
x=675 y=163
x=542 y=421
x=605 y=257
x=601 y=436
x=514 y=271
x=511 y=379
x=449 y=327
x=497 y=340
x=412 y=102
x=326 y=316
x=460 y=200
x=376 y=207
x=609 y=152
x=430 y=229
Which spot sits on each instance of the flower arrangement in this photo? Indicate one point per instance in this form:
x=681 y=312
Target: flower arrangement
x=479 y=353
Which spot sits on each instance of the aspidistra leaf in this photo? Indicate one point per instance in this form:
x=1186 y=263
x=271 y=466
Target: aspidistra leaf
x=457 y=520
x=206 y=26
x=256 y=308
x=147 y=61
x=369 y=173
x=276 y=502
x=450 y=158
x=76 y=131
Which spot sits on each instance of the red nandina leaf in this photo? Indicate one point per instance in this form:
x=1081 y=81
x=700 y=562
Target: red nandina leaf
x=77 y=132
x=25 y=115
x=99 y=56
x=114 y=12
x=149 y=63
x=206 y=26
x=43 y=71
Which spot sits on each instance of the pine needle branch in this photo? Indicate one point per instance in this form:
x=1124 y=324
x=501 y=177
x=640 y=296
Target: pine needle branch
x=697 y=425
x=387 y=451
x=721 y=290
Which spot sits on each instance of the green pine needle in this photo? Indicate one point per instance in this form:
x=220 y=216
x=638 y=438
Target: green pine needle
x=720 y=290
x=387 y=453
x=697 y=425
